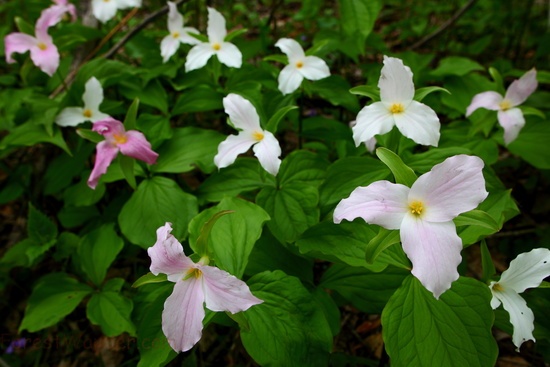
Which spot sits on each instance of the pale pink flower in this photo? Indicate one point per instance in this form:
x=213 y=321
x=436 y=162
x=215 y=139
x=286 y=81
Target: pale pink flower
x=424 y=215
x=178 y=34
x=196 y=284
x=67 y=7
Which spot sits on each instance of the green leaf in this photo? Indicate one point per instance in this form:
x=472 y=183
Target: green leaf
x=201 y=245
x=273 y=122
x=25 y=253
x=527 y=110
x=111 y=311
x=367 y=90
x=234 y=34
x=30 y=134
x=477 y=218
x=334 y=89
x=498 y=79
x=459 y=324
x=90 y=135
x=532 y=144
x=283 y=59
x=40 y=228
x=357 y=19
x=127 y=168
x=288 y=328
x=384 y=239
x=23 y=26
x=152 y=94
x=81 y=194
x=198 y=99
x=97 y=251
x=487 y=263
x=455 y=65
x=131 y=115
x=53 y=297
x=302 y=166
x=402 y=173
x=150 y=278
x=423 y=92
x=155 y=202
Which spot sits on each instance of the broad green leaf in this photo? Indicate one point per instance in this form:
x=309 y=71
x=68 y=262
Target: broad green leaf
x=111 y=311
x=53 y=297
x=30 y=134
x=302 y=166
x=201 y=244
x=423 y=92
x=329 y=307
x=152 y=94
x=288 y=328
x=40 y=228
x=80 y=194
x=150 y=278
x=462 y=89
x=498 y=80
x=357 y=19
x=23 y=26
x=384 y=239
x=273 y=122
x=452 y=331
x=424 y=162
x=25 y=253
x=127 y=168
x=234 y=34
x=477 y=218
x=368 y=91
x=527 y=110
x=278 y=58
x=198 y=99
x=402 y=173
x=455 y=65
x=487 y=263
x=532 y=143
x=155 y=202
x=90 y=135
x=131 y=115
x=334 y=89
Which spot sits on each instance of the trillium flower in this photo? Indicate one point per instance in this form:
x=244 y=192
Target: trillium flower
x=299 y=66
x=243 y=115
x=105 y=10
x=369 y=144
x=196 y=284
x=178 y=33
x=44 y=53
x=414 y=120
x=227 y=52
x=527 y=270
x=131 y=143
x=92 y=97
x=67 y=7
x=509 y=116
x=424 y=215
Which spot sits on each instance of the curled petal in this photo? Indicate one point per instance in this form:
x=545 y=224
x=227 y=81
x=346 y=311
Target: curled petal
x=18 y=43
x=71 y=116
x=522 y=88
x=106 y=152
x=512 y=121
x=372 y=120
x=109 y=127
x=527 y=270
x=291 y=49
x=419 y=123
x=382 y=203
x=168 y=47
x=167 y=255
x=49 y=17
x=104 y=10
x=489 y=100
x=46 y=59
x=175 y=19
x=230 y=55
x=93 y=94
x=289 y=79
x=396 y=82
x=434 y=250
x=137 y=146
x=198 y=56
x=268 y=152
x=314 y=68
x=241 y=112
x=215 y=30
x=231 y=147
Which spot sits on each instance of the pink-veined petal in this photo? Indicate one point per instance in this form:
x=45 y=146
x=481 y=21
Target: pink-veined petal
x=168 y=47
x=512 y=121
x=186 y=38
x=71 y=116
x=175 y=19
x=46 y=59
x=104 y=10
x=489 y=100
x=291 y=49
x=527 y=270
x=434 y=250
x=268 y=152
x=396 y=82
x=242 y=112
x=18 y=43
x=224 y=292
x=382 y=203
x=374 y=119
x=49 y=17
x=230 y=55
x=198 y=56
x=314 y=68
x=183 y=314
x=522 y=88
x=231 y=147
x=452 y=187
x=215 y=30
x=289 y=79
x=419 y=123
x=137 y=146
x=105 y=153
x=109 y=127
x=93 y=94
x=167 y=256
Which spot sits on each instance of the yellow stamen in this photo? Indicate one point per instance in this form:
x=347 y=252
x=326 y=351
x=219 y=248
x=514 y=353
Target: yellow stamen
x=397 y=108
x=120 y=139
x=216 y=46
x=497 y=287
x=176 y=34
x=258 y=135
x=194 y=272
x=106 y=1
x=505 y=105
x=87 y=113
x=299 y=64
x=416 y=208
x=42 y=46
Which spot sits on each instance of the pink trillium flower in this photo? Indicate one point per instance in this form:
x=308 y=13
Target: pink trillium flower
x=243 y=115
x=44 y=53
x=413 y=119
x=178 y=33
x=92 y=97
x=509 y=116
x=299 y=66
x=227 y=52
x=105 y=10
x=67 y=7
x=196 y=284
x=527 y=270
x=131 y=143
x=424 y=215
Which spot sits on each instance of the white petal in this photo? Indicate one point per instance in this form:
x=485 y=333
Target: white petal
x=93 y=94
x=522 y=88
x=98 y=116
x=371 y=144
x=488 y=100
x=71 y=116
x=372 y=120
x=314 y=68
x=168 y=47
x=230 y=148
x=396 y=82
x=230 y=55
x=452 y=187
x=527 y=270
x=198 y=56
x=123 y=4
x=434 y=250
x=268 y=152
x=382 y=203
x=186 y=38
x=289 y=79
x=104 y=11
x=175 y=19
x=512 y=121
x=216 y=26
x=241 y=112
x=291 y=49
x=419 y=123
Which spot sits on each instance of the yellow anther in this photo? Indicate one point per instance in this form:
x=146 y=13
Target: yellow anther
x=258 y=135
x=120 y=139
x=497 y=287
x=505 y=105
x=397 y=108
x=299 y=64
x=42 y=46
x=176 y=34
x=416 y=208
x=87 y=113
x=193 y=272
x=216 y=46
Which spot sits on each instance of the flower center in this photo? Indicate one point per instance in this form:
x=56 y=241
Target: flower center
x=299 y=64
x=193 y=272
x=106 y=1
x=258 y=135
x=216 y=46
x=176 y=34
x=397 y=108
x=505 y=105
x=497 y=287
x=42 y=46
x=416 y=208
x=87 y=113
x=120 y=139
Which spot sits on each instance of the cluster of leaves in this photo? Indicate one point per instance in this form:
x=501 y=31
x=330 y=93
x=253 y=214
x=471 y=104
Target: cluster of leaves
x=84 y=248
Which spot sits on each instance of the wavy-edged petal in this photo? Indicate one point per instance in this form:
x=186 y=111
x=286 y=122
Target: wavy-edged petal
x=382 y=203
x=183 y=314
x=396 y=82
x=291 y=48
x=314 y=68
x=93 y=94
x=104 y=10
x=46 y=59
x=230 y=55
x=175 y=19
x=434 y=250
x=527 y=270
x=489 y=100
x=242 y=112
x=109 y=127
x=71 y=116
x=512 y=121
x=105 y=153
x=18 y=43
x=522 y=88
x=372 y=120
x=452 y=187
x=167 y=256
x=231 y=147
x=419 y=123
x=49 y=17
x=268 y=152
x=137 y=146
x=198 y=56
x=289 y=79
x=216 y=29
x=168 y=47
x=225 y=292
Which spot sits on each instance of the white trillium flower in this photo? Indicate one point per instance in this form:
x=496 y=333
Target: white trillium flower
x=178 y=33
x=227 y=52
x=299 y=66
x=105 y=10
x=243 y=115
x=92 y=97
x=527 y=270
x=369 y=144
x=414 y=120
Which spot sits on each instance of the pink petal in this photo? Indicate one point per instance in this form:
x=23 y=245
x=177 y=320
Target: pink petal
x=167 y=255
x=49 y=17
x=230 y=148
x=489 y=100
x=47 y=60
x=109 y=127
x=396 y=82
x=183 y=314
x=106 y=152
x=18 y=43
x=527 y=270
x=224 y=292
x=522 y=88
x=138 y=147
x=289 y=79
x=382 y=203
x=512 y=121
x=372 y=120
x=314 y=68
x=291 y=49
x=434 y=250
x=268 y=152
x=242 y=113
x=215 y=30
x=452 y=187
x=419 y=123
x=198 y=56
x=230 y=55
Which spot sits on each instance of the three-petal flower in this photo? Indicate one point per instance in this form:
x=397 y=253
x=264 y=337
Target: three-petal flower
x=105 y=10
x=227 y=52
x=414 y=120
x=131 y=143
x=299 y=66
x=92 y=97
x=196 y=284
x=424 y=215
x=527 y=270
x=243 y=115
x=178 y=33
x=509 y=116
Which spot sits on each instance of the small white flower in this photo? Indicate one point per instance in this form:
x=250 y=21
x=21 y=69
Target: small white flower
x=178 y=34
x=92 y=97
x=105 y=10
